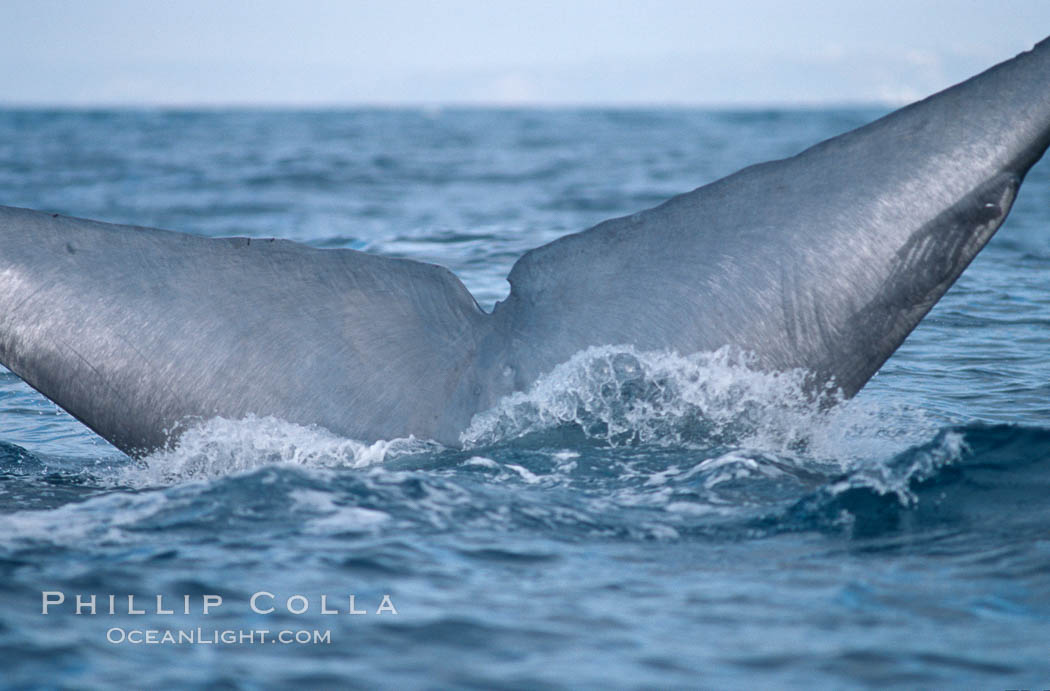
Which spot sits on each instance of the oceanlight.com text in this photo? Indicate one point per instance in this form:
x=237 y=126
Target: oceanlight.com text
x=200 y=636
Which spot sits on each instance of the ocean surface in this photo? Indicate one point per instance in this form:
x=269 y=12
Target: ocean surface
x=636 y=520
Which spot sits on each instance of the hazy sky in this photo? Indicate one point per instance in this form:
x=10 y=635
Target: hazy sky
x=589 y=52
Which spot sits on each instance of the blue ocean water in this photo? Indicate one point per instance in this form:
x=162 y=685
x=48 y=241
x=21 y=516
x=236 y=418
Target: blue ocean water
x=636 y=520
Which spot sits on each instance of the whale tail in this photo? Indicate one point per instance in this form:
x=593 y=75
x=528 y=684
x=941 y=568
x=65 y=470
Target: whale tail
x=136 y=331
x=824 y=261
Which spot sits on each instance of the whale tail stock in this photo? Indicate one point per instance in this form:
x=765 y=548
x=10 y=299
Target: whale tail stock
x=823 y=261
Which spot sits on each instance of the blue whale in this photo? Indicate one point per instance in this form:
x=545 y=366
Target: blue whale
x=823 y=261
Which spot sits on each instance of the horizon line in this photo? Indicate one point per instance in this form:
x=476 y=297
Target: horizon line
x=437 y=107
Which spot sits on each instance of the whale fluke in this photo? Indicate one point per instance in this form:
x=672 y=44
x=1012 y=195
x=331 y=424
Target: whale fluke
x=823 y=261
x=137 y=331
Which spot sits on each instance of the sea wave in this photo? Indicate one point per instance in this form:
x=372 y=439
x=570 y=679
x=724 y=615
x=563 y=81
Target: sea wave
x=999 y=475
x=994 y=473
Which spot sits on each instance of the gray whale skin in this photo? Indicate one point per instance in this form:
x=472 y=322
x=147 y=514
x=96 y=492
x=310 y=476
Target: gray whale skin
x=823 y=261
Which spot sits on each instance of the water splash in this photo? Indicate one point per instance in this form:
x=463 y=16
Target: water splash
x=220 y=447
x=619 y=396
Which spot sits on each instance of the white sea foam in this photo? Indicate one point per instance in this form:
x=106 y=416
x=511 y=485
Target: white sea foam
x=621 y=396
x=221 y=446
